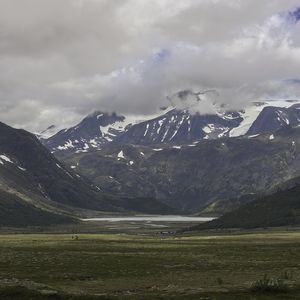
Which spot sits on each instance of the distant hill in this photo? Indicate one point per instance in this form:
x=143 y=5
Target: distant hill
x=279 y=209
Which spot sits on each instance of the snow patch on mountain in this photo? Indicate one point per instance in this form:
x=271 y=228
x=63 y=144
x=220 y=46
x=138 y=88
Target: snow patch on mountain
x=5 y=159
x=121 y=155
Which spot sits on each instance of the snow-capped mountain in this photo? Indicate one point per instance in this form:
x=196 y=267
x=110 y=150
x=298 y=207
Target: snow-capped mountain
x=91 y=132
x=179 y=125
x=253 y=112
x=172 y=126
x=274 y=118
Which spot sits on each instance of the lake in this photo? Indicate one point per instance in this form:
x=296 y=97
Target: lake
x=151 y=218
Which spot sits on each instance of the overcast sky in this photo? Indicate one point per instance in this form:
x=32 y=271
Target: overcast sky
x=62 y=59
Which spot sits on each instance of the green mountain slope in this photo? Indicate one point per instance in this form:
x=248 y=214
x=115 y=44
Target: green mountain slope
x=14 y=212
x=279 y=209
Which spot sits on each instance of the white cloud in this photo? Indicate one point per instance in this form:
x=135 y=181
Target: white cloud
x=61 y=59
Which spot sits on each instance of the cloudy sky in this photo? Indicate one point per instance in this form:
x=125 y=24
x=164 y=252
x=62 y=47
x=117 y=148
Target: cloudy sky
x=62 y=59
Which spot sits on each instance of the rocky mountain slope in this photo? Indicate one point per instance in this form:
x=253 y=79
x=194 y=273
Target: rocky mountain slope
x=190 y=177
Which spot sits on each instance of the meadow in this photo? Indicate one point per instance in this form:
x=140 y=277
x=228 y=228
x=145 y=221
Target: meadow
x=149 y=266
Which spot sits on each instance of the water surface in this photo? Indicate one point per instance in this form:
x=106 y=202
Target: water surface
x=147 y=218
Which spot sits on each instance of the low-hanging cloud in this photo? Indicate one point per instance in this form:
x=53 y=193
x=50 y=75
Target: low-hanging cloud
x=63 y=59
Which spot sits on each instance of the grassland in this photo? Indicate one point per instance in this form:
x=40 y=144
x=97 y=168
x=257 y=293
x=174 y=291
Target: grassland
x=124 y=266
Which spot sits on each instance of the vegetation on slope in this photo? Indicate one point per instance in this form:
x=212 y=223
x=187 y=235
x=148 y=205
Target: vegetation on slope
x=15 y=212
x=279 y=209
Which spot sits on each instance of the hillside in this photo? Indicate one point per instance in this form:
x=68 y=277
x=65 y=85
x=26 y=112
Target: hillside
x=14 y=212
x=279 y=209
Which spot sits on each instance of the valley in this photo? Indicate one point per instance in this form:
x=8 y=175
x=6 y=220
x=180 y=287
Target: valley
x=206 y=175
x=149 y=150
x=213 y=266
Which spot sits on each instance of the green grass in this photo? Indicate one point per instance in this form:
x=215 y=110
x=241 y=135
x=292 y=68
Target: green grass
x=23 y=293
x=148 y=267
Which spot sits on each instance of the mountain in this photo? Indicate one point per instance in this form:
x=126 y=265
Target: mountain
x=180 y=127
x=279 y=209
x=24 y=159
x=188 y=161
x=171 y=126
x=33 y=180
x=93 y=131
x=35 y=188
x=193 y=176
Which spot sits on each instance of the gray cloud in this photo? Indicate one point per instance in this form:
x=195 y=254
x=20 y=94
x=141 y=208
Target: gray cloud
x=59 y=60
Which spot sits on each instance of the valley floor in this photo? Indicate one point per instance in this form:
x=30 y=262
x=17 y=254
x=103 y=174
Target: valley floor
x=148 y=266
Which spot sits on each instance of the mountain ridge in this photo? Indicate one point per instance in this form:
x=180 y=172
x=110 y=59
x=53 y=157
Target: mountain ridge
x=172 y=126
